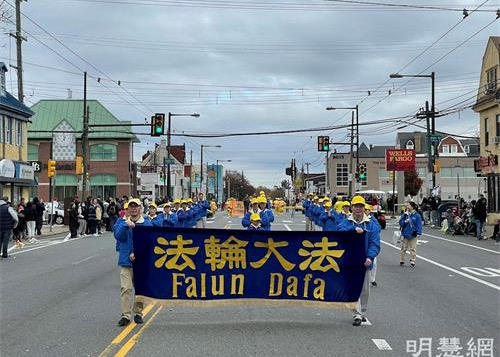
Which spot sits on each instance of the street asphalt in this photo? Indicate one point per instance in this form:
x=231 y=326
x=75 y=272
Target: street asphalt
x=61 y=298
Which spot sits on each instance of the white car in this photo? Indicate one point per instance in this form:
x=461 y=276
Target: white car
x=58 y=214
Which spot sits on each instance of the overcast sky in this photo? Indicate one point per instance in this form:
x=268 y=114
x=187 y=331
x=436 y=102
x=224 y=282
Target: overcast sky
x=252 y=65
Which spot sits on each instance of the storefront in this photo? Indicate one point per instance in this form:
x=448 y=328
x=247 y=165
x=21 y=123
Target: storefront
x=488 y=166
x=15 y=179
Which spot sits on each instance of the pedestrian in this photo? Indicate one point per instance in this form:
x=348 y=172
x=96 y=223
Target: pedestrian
x=82 y=223
x=361 y=223
x=112 y=211
x=8 y=221
x=39 y=208
x=410 y=224
x=20 y=231
x=73 y=219
x=30 y=217
x=126 y=256
x=480 y=214
x=373 y=272
x=98 y=215
x=92 y=219
x=204 y=207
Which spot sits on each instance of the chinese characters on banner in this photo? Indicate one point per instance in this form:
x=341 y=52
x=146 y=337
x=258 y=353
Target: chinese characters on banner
x=201 y=265
x=400 y=160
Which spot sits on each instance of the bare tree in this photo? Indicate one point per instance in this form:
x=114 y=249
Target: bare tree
x=5 y=12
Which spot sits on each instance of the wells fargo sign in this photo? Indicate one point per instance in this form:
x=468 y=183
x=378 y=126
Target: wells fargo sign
x=400 y=160
x=209 y=266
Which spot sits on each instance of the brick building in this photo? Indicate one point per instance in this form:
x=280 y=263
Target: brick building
x=55 y=133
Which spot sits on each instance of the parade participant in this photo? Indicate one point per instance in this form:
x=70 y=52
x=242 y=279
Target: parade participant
x=255 y=224
x=317 y=212
x=361 y=223
x=193 y=213
x=306 y=204
x=204 y=207
x=373 y=272
x=177 y=205
x=346 y=208
x=263 y=203
x=183 y=215
x=123 y=235
x=168 y=218
x=310 y=211
x=338 y=205
x=152 y=216
x=410 y=223
x=264 y=219
x=328 y=218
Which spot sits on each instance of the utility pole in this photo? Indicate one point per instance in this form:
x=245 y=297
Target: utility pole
x=85 y=136
x=351 y=156
x=307 y=174
x=327 y=174
x=168 y=194
x=191 y=174
x=430 y=161
x=433 y=116
x=19 y=40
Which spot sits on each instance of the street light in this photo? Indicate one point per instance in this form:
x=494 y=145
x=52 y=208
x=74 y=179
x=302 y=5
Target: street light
x=170 y=115
x=201 y=165
x=433 y=119
x=354 y=123
x=217 y=178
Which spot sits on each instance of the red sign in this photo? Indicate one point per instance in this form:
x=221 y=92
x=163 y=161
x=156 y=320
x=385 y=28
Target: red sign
x=400 y=160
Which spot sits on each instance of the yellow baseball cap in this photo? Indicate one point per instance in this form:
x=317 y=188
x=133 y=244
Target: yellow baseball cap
x=254 y=200
x=357 y=200
x=326 y=199
x=321 y=200
x=189 y=200
x=255 y=217
x=177 y=200
x=166 y=204
x=328 y=204
x=369 y=207
x=152 y=204
x=315 y=197
x=346 y=203
x=134 y=200
x=310 y=194
x=125 y=205
x=262 y=193
x=261 y=199
x=184 y=201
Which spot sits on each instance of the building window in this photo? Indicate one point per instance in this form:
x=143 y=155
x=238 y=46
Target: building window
x=2 y=119
x=469 y=172
x=103 y=152
x=486 y=133
x=19 y=133
x=422 y=172
x=467 y=149
x=32 y=152
x=65 y=186
x=103 y=186
x=342 y=175
x=447 y=172
x=383 y=174
x=491 y=80
x=453 y=148
x=446 y=149
x=8 y=130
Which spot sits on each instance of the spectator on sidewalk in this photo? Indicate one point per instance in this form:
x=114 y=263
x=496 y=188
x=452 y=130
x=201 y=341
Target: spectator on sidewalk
x=73 y=219
x=98 y=215
x=82 y=223
x=112 y=210
x=30 y=217
x=92 y=219
x=8 y=221
x=479 y=212
x=20 y=230
x=39 y=208
x=496 y=233
x=433 y=206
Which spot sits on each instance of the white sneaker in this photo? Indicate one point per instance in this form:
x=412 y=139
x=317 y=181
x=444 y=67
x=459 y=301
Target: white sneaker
x=95 y=234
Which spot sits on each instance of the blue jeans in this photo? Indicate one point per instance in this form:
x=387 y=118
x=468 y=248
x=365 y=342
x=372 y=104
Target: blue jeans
x=4 y=241
x=479 y=228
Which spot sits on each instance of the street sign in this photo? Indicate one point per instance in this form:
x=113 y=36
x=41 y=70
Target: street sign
x=167 y=161
x=435 y=139
x=400 y=160
x=37 y=165
x=195 y=185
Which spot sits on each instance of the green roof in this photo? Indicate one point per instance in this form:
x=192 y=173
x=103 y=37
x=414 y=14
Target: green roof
x=49 y=113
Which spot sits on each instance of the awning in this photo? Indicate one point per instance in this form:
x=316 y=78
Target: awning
x=18 y=181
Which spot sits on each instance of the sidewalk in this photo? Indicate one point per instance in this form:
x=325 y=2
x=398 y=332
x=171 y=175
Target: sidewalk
x=56 y=230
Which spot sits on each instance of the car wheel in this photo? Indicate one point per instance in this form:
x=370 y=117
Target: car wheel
x=59 y=220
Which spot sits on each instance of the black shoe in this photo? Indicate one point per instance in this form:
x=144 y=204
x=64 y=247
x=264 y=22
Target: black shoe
x=363 y=319
x=401 y=264
x=138 y=319
x=357 y=321
x=123 y=321
x=412 y=265
x=5 y=256
x=374 y=284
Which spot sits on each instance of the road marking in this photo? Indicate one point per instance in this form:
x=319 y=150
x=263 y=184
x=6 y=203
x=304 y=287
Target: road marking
x=382 y=344
x=466 y=244
x=229 y=221
x=487 y=272
x=208 y=222
x=133 y=340
x=421 y=241
x=118 y=339
x=286 y=226
x=84 y=260
x=449 y=268
x=287 y=221
x=366 y=323
x=49 y=244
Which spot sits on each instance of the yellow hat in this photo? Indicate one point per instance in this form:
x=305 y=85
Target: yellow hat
x=321 y=200
x=152 y=204
x=368 y=207
x=346 y=203
x=135 y=200
x=315 y=197
x=357 y=200
x=189 y=200
x=184 y=201
x=328 y=204
x=125 y=205
x=255 y=217
x=261 y=199
x=166 y=204
x=326 y=199
x=310 y=194
x=254 y=200
x=177 y=200
x=262 y=193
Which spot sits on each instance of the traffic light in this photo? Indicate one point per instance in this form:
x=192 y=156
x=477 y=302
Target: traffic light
x=362 y=171
x=51 y=168
x=157 y=124
x=323 y=143
x=79 y=165
x=437 y=166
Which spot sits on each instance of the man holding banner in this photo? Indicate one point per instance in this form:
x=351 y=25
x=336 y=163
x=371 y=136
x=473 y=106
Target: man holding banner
x=123 y=236
x=362 y=223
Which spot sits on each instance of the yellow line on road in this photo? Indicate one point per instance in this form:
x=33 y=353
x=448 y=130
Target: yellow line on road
x=118 y=339
x=133 y=340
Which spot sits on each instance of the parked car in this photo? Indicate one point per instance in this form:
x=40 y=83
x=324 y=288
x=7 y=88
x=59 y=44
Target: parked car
x=58 y=215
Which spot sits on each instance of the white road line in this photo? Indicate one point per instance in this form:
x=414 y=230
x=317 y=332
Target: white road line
x=287 y=221
x=49 y=244
x=450 y=269
x=382 y=344
x=208 y=222
x=84 y=260
x=366 y=323
x=286 y=226
x=461 y=243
